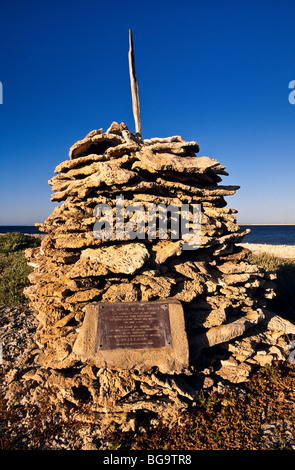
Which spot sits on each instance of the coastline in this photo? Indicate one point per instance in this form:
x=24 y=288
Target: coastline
x=266 y=225
x=280 y=251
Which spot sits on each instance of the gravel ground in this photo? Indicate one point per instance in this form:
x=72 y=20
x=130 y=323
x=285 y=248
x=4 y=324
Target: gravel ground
x=281 y=251
x=30 y=430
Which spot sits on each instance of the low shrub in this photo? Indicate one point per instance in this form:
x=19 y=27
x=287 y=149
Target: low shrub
x=284 y=302
x=14 y=273
x=14 y=270
x=13 y=242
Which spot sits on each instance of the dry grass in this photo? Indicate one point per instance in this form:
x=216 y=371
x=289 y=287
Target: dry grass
x=230 y=421
x=284 y=302
x=261 y=415
x=14 y=269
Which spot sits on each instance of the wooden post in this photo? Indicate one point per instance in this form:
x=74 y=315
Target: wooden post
x=134 y=86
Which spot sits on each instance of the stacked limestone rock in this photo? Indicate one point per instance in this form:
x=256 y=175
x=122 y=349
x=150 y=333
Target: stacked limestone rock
x=222 y=294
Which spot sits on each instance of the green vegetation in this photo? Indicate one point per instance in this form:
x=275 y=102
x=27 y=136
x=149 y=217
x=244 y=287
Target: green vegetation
x=13 y=242
x=256 y=418
x=14 y=270
x=284 y=302
x=228 y=421
x=260 y=414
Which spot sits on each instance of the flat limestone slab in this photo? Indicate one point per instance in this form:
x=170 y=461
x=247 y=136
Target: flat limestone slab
x=134 y=335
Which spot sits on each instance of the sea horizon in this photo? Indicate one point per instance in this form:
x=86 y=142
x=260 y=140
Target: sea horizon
x=270 y=234
x=273 y=225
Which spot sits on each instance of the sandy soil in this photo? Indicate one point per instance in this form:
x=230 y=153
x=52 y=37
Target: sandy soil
x=281 y=251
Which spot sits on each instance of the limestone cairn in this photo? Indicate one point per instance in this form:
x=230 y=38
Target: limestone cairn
x=222 y=294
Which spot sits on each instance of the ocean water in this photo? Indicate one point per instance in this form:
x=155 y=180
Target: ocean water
x=19 y=228
x=270 y=234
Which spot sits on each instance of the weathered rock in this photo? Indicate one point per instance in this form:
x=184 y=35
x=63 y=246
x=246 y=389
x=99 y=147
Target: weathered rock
x=206 y=319
x=234 y=372
x=122 y=292
x=119 y=259
x=154 y=287
x=223 y=296
x=108 y=174
x=166 y=162
x=224 y=333
x=166 y=249
x=178 y=148
x=94 y=143
x=84 y=296
x=68 y=165
x=85 y=267
x=263 y=359
x=154 y=140
x=114 y=128
x=277 y=323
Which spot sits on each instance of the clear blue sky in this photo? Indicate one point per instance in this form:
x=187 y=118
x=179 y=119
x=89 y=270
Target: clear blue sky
x=212 y=71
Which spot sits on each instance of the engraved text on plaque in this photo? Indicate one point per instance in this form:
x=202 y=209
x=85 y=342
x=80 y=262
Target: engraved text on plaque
x=129 y=325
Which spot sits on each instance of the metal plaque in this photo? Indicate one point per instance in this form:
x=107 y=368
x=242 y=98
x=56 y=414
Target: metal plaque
x=130 y=325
